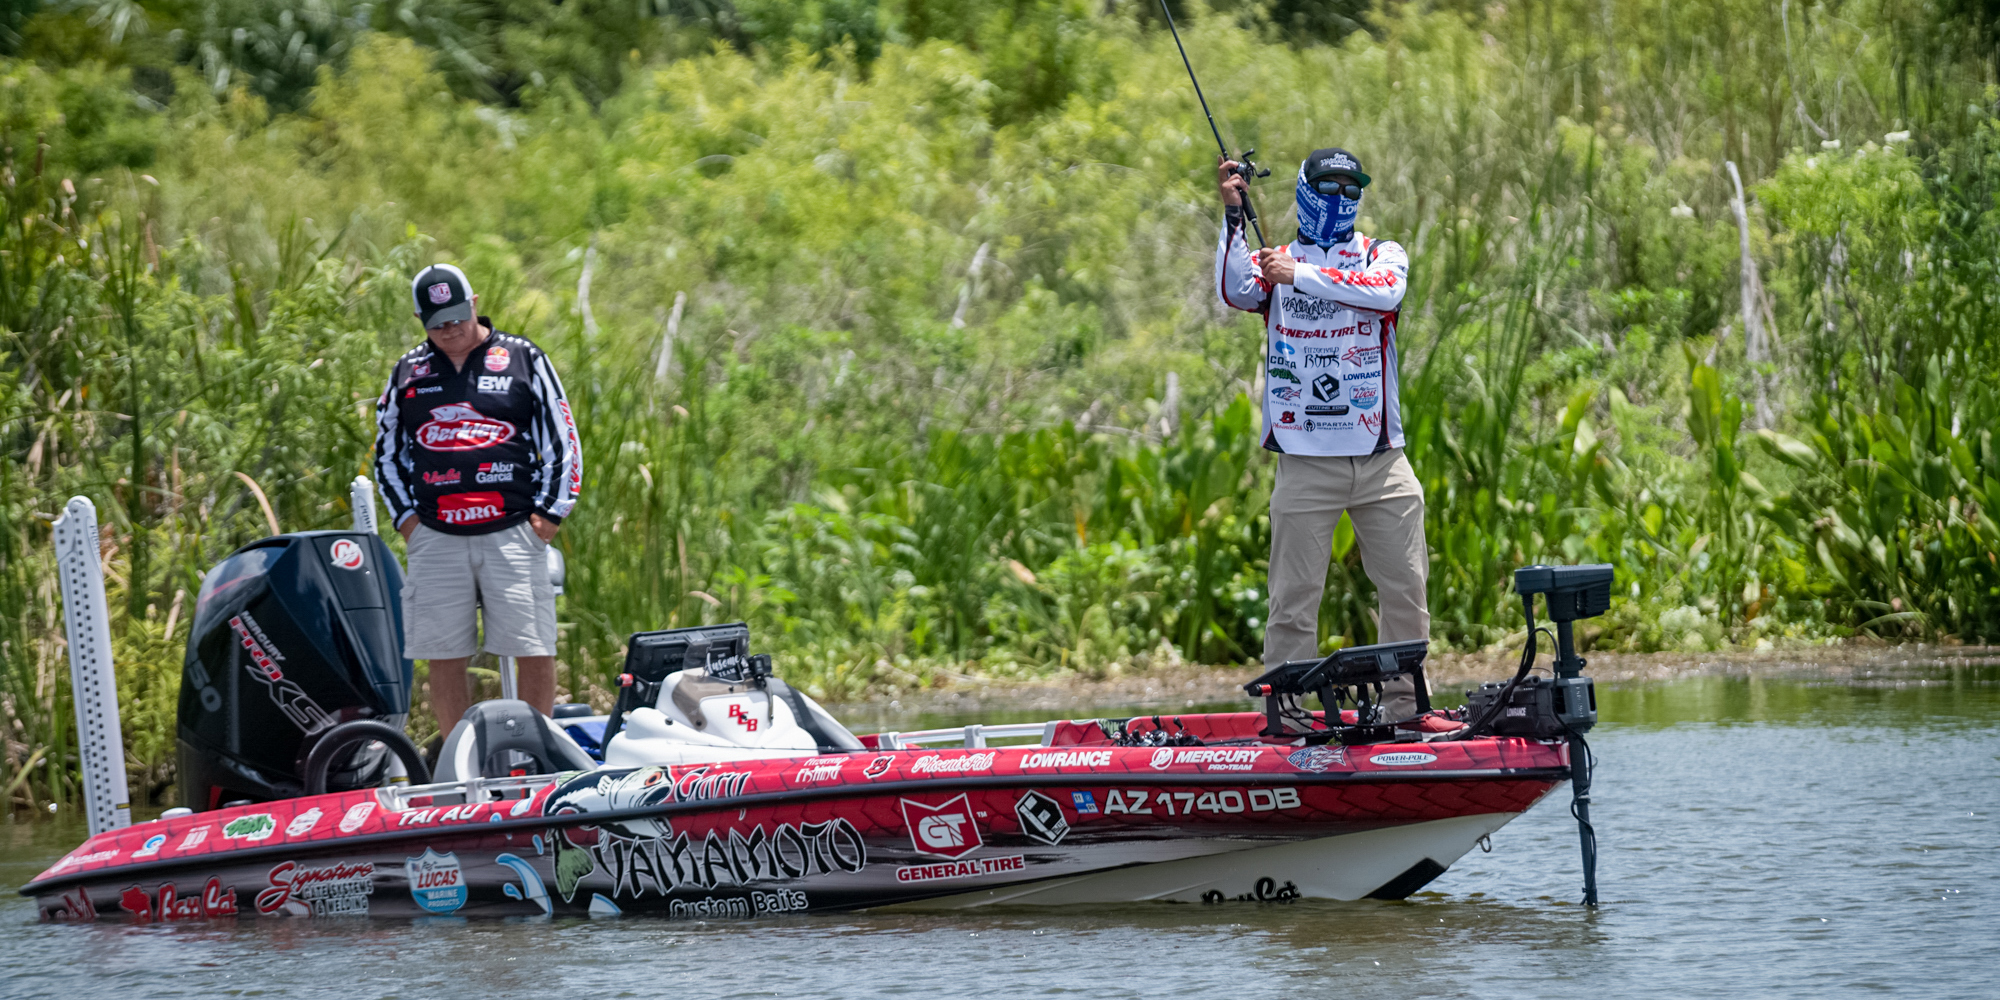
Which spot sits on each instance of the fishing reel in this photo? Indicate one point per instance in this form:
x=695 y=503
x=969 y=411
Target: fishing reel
x=1247 y=169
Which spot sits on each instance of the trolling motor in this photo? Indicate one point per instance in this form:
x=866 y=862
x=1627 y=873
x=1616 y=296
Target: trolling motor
x=1562 y=707
x=1244 y=167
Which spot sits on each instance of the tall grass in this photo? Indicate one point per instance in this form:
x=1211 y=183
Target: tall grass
x=894 y=333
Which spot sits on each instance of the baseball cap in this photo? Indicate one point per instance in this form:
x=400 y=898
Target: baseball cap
x=1334 y=161
x=442 y=294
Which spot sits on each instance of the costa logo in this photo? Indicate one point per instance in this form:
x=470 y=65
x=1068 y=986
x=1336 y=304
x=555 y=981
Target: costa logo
x=346 y=554
x=496 y=359
x=947 y=830
x=1163 y=758
x=458 y=427
x=439 y=293
x=470 y=508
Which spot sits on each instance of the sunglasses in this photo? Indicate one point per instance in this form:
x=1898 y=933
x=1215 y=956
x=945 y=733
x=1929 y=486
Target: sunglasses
x=1329 y=186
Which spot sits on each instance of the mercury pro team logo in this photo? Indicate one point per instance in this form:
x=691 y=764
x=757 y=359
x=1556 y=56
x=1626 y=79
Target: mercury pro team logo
x=458 y=427
x=946 y=830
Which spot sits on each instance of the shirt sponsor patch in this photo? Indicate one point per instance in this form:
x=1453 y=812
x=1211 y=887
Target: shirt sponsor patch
x=458 y=427
x=471 y=508
x=496 y=359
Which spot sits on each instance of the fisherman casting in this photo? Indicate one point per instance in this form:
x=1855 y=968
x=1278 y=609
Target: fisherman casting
x=1330 y=302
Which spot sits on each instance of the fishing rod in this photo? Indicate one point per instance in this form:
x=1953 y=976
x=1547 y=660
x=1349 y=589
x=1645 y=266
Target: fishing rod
x=1244 y=168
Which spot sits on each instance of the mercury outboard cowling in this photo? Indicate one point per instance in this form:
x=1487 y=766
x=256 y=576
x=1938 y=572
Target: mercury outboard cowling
x=293 y=635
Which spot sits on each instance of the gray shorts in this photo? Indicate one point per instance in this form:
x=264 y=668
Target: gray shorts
x=504 y=573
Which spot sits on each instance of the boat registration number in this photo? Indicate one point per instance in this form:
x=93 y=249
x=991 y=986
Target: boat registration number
x=1229 y=800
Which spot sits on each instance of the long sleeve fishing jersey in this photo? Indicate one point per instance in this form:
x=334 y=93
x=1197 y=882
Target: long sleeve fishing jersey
x=479 y=448
x=1330 y=340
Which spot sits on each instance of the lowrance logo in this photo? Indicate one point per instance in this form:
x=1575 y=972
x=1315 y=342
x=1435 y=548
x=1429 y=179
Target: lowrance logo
x=1068 y=758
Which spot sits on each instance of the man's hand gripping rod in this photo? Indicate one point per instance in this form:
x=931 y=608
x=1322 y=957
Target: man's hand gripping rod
x=1244 y=168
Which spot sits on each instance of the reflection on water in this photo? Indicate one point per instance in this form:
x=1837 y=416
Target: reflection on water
x=1761 y=838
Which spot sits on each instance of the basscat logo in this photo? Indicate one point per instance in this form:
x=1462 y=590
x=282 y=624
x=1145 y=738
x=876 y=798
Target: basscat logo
x=458 y=427
x=946 y=830
x=346 y=554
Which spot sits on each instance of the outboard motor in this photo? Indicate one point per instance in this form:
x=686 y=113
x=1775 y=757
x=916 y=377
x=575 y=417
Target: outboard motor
x=295 y=682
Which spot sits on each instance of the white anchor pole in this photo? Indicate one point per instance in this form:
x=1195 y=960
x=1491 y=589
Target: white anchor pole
x=94 y=687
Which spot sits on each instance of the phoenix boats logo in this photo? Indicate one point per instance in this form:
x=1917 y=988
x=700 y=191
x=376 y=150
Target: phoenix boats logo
x=458 y=427
x=935 y=764
x=947 y=830
x=820 y=769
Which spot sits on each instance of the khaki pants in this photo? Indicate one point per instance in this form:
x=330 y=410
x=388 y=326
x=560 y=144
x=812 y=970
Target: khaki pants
x=454 y=580
x=1381 y=496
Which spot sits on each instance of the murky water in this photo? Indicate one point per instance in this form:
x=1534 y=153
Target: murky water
x=1760 y=838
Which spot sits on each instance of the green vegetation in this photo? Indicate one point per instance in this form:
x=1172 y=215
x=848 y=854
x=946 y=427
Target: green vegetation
x=889 y=324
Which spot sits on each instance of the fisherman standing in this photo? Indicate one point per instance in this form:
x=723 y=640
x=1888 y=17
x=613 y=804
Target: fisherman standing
x=478 y=459
x=1330 y=302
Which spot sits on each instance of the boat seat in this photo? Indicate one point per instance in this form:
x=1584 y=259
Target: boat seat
x=505 y=738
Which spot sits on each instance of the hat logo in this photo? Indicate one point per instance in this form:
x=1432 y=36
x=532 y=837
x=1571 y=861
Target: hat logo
x=439 y=293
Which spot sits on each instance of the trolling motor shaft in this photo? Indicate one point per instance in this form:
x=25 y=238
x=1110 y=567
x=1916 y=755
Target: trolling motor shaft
x=1245 y=169
x=1573 y=592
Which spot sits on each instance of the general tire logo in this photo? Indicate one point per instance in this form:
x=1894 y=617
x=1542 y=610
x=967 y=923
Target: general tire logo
x=346 y=554
x=458 y=427
x=1041 y=818
x=947 y=831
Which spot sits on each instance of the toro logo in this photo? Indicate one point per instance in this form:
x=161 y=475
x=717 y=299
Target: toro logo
x=346 y=554
x=496 y=359
x=947 y=830
x=470 y=508
x=458 y=427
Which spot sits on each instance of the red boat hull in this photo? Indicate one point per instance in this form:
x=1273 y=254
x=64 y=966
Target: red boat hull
x=912 y=827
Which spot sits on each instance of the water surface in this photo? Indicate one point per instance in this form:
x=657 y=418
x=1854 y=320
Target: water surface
x=1761 y=838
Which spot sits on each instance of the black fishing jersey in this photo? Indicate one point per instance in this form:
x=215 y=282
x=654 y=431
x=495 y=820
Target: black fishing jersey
x=477 y=449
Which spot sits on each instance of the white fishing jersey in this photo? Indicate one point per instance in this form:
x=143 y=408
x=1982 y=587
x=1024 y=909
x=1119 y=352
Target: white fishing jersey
x=1330 y=340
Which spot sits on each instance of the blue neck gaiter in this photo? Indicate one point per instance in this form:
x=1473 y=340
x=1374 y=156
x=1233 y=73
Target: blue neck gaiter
x=1324 y=220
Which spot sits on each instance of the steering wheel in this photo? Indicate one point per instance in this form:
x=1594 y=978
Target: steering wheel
x=319 y=762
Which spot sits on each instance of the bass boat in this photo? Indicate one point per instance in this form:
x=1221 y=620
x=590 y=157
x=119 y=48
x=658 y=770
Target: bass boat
x=714 y=789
